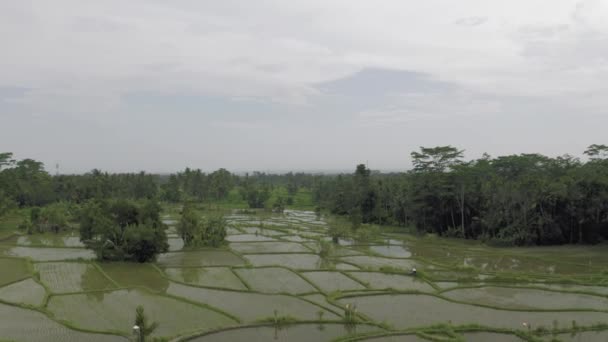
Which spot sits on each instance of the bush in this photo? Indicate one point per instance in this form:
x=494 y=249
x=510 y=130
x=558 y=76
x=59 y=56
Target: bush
x=214 y=231
x=196 y=232
x=367 y=234
x=121 y=230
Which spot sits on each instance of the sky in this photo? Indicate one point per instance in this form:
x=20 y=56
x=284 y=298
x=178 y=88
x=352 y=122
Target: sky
x=299 y=85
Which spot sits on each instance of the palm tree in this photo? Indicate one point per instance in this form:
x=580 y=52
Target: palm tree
x=142 y=328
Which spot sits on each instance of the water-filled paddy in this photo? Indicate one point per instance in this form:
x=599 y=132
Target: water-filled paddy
x=274 y=280
x=63 y=277
x=333 y=281
x=175 y=244
x=127 y=274
x=262 y=231
x=12 y=269
x=583 y=336
x=276 y=267
x=380 y=281
x=47 y=240
x=210 y=257
x=296 y=261
x=250 y=306
x=26 y=291
x=113 y=311
x=206 y=276
x=294 y=238
x=268 y=247
x=487 y=336
x=248 y=238
x=391 y=251
x=48 y=254
x=30 y=326
x=405 y=311
x=395 y=338
x=522 y=298
x=289 y=333
x=371 y=262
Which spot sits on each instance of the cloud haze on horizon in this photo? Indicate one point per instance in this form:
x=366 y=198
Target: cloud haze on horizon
x=297 y=85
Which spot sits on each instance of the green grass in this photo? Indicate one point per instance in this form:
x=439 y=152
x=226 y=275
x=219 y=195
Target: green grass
x=9 y=223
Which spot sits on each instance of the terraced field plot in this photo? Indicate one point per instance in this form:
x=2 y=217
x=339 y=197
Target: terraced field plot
x=136 y=275
x=274 y=280
x=379 y=281
x=113 y=311
x=13 y=269
x=64 y=277
x=291 y=333
x=48 y=254
x=333 y=281
x=406 y=311
x=485 y=336
x=396 y=338
x=268 y=247
x=206 y=276
x=295 y=261
x=250 y=306
x=585 y=336
x=248 y=238
x=391 y=251
x=26 y=291
x=200 y=258
x=271 y=269
x=30 y=326
x=521 y=298
x=377 y=263
x=47 y=240
x=175 y=244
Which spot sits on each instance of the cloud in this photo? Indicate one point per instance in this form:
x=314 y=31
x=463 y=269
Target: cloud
x=471 y=21
x=12 y=93
x=147 y=75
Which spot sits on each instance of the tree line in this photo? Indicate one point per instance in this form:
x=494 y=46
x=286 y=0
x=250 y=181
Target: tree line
x=525 y=199
x=520 y=199
x=25 y=183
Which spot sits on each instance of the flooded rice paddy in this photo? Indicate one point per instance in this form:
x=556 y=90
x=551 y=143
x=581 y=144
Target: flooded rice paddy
x=270 y=283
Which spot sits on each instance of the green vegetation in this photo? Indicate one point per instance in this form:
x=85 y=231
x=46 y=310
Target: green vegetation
x=122 y=230
x=301 y=287
x=510 y=200
x=210 y=231
x=244 y=264
x=142 y=327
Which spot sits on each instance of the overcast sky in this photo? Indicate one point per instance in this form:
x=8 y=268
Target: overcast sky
x=299 y=84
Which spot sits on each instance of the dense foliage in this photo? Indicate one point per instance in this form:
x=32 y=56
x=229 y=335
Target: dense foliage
x=512 y=200
x=209 y=231
x=122 y=230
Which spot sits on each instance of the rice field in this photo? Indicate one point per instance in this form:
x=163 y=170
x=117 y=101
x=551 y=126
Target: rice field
x=66 y=277
x=269 y=282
